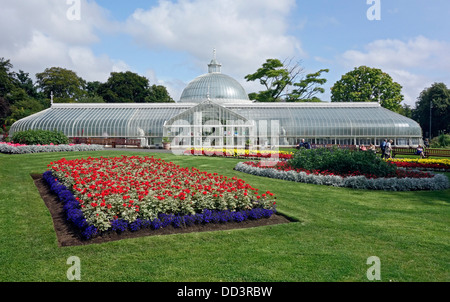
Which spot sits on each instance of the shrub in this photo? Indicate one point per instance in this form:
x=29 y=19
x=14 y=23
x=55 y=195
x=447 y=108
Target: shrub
x=442 y=141
x=341 y=161
x=40 y=137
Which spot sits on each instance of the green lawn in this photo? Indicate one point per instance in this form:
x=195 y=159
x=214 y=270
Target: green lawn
x=338 y=230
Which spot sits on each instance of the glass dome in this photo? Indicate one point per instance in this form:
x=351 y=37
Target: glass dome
x=214 y=86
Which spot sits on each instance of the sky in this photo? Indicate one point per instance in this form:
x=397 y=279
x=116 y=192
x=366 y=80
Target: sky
x=171 y=42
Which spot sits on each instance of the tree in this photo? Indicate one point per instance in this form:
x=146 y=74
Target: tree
x=274 y=77
x=439 y=96
x=6 y=77
x=365 y=84
x=308 y=88
x=129 y=87
x=5 y=110
x=92 y=88
x=24 y=108
x=159 y=94
x=406 y=110
x=65 y=84
x=124 y=87
x=278 y=77
x=92 y=93
x=24 y=82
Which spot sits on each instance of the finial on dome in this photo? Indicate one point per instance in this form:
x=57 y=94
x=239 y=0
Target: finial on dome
x=214 y=66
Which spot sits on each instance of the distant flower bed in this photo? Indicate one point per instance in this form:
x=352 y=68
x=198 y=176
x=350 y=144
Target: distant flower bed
x=401 y=180
x=239 y=153
x=11 y=148
x=130 y=193
x=422 y=163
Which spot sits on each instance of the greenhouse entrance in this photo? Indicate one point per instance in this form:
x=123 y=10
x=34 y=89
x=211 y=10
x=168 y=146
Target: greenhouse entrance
x=209 y=125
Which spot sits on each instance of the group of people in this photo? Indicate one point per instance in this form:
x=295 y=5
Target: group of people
x=385 y=146
x=303 y=144
x=370 y=148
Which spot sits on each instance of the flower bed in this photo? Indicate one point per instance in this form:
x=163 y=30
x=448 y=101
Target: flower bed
x=130 y=193
x=240 y=153
x=11 y=148
x=422 y=164
x=402 y=180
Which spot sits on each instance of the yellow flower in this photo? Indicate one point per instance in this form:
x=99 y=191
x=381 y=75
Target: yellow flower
x=444 y=162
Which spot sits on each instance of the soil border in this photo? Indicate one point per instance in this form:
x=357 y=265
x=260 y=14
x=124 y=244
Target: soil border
x=68 y=235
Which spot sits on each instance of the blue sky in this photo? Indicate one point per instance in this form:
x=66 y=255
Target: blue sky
x=171 y=42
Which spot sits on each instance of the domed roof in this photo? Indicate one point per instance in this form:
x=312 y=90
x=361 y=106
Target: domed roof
x=214 y=86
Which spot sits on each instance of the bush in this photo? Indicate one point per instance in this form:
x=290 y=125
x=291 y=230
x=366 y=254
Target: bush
x=341 y=161
x=40 y=137
x=442 y=141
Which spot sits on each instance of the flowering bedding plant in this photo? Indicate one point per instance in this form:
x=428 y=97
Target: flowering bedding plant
x=238 y=152
x=422 y=163
x=11 y=148
x=104 y=194
x=401 y=180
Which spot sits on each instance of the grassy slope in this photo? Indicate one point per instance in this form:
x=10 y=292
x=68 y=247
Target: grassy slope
x=338 y=230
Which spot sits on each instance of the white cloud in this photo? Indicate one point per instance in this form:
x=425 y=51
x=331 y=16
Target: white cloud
x=412 y=84
x=245 y=33
x=414 y=64
x=418 y=52
x=40 y=36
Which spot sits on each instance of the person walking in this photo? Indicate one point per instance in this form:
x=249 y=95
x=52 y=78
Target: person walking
x=387 y=150
x=383 y=147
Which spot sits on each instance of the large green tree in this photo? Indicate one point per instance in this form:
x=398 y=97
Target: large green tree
x=65 y=84
x=25 y=82
x=24 y=108
x=124 y=87
x=274 y=77
x=283 y=82
x=307 y=88
x=433 y=102
x=129 y=87
x=365 y=84
x=18 y=94
x=6 y=77
x=159 y=94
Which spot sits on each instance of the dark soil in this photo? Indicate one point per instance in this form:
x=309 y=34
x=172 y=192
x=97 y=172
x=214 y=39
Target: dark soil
x=69 y=236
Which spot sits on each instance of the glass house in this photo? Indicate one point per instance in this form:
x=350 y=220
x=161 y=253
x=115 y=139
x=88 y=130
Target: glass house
x=214 y=110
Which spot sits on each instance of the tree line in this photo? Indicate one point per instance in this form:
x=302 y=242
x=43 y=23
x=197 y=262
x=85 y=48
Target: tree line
x=20 y=96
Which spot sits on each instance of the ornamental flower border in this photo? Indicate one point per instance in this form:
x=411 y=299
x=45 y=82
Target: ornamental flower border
x=239 y=153
x=437 y=182
x=75 y=208
x=26 y=149
x=440 y=165
x=75 y=215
